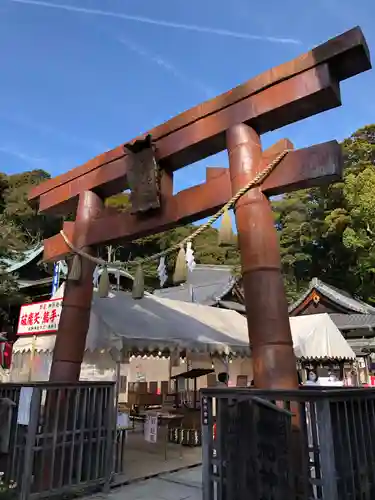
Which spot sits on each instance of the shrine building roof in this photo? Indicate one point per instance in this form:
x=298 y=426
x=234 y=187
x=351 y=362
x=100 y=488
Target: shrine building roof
x=347 y=322
x=20 y=259
x=206 y=285
x=340 y=297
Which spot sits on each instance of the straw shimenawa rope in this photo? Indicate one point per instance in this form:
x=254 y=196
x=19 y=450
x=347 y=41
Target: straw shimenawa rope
x=257 y=180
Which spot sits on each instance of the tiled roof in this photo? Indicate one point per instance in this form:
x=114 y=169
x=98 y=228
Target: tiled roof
x=336 y=295
x=205 y=285
x=362 y=322
x=362 y=346
x=32 y=283
x=21 y=259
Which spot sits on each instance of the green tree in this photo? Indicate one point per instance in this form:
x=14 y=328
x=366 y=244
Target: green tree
x=9 y=296
x=328 y=232
x=20 y=228
x=18 y=210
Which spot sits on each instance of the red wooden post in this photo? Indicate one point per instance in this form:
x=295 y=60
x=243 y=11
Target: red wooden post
x=75 y=314
x=266 y=305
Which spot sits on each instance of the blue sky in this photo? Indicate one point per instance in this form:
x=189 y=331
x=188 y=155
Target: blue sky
x=88 y=75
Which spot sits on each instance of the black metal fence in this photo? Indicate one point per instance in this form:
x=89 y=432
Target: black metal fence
x=61 y=437
x=304 y=444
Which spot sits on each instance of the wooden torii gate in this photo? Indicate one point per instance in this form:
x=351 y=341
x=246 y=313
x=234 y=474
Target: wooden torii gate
x=233 y=121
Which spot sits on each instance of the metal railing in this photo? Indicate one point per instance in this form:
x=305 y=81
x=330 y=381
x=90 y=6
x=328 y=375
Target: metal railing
x=328 y=445
x=62 y=437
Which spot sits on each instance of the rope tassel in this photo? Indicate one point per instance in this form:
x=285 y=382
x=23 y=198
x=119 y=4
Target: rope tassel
x=226 y=230
x=75 y=271
x=138 y=284
x=162 y=272
x=180 y=272
x=190 y=261
x=103 y=288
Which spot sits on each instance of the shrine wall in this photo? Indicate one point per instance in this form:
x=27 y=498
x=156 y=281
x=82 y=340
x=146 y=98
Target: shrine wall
x=148 y=369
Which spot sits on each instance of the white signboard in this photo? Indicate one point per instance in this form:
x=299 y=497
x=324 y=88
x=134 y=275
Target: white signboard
x=40 y=317
x=151 y=429
x=23 y=416
x=123 y=421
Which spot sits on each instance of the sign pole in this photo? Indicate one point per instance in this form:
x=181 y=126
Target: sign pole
x=32 y=358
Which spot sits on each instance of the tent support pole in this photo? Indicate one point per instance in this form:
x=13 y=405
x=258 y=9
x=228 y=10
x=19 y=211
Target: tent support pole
x=118 y=379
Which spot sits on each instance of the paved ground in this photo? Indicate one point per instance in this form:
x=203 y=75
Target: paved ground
x=182 y=485
x=140 y=459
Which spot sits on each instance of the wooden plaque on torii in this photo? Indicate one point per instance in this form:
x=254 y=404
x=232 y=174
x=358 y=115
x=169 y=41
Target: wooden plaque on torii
x=233 y=121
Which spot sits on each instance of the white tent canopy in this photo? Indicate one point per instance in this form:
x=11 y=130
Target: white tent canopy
x=317 y=337
x=155 y=324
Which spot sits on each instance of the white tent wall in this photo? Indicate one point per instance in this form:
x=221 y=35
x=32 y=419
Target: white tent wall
x=120 y=324
x=36 y=366
x=97 y=365
x=101 y=366
x=30 y=367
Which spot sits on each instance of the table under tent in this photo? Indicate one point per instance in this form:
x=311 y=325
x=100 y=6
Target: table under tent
x=172 y=337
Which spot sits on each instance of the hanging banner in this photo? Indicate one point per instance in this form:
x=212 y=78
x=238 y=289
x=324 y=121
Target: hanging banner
x=40 y=317
x=151 y=429
x=56 y=278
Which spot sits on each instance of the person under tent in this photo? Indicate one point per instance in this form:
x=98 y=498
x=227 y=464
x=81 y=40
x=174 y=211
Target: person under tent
x=223 y=379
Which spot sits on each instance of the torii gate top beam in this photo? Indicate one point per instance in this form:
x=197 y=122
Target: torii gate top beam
x=290 y=92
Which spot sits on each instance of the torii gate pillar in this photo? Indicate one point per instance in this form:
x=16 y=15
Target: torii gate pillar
x=274 y=362
x=75 y=316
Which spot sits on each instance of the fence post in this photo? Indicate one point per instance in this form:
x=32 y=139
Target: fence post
x=207 y=434
x=327 y=452
x=110 y=438
x=30 y=442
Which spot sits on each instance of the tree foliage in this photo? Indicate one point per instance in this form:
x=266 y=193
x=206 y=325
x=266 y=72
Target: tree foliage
x=328 y=232
x=20 y=228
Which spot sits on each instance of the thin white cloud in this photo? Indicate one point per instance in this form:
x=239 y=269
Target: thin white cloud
x=43 y=129
x=159 y=22
x=20 y=155
x=169 y=67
